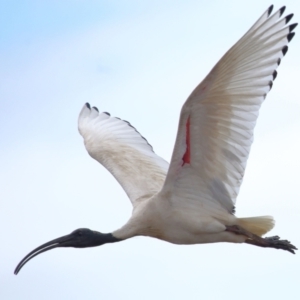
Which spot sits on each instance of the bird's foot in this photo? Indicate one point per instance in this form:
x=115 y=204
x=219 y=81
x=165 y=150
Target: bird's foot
x=279 y=244
x=268 y=242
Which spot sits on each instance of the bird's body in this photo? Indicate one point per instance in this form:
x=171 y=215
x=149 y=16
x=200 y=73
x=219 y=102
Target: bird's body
x=191 y=201
x=158 y=211
x=158 y=219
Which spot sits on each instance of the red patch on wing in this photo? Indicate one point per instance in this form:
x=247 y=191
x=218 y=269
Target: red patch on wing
x=187 y=155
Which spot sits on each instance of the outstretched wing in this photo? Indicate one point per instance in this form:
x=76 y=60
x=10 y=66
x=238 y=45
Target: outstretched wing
x=216 y=123
x=121 y=149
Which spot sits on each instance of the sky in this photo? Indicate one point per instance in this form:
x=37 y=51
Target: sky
x=138 y=60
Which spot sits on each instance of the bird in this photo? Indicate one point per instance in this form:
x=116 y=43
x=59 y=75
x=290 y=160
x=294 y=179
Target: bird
x=192 y=199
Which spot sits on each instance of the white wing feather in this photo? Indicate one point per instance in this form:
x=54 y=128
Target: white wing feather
x=117 y=145
x=222 y=112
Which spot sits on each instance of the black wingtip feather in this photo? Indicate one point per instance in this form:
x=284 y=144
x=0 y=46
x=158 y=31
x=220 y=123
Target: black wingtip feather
x=285 y=49
x=88 y=105
x=290 y=36
x=270 y=10
x=274 y=75
x=278 y=61
x=288 y=18
x=270 y=85
x=281 y=11
x=107 y=113
x=293 y=26
x=94 y=107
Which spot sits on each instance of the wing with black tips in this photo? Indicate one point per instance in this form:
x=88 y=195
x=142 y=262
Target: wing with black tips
x=123 y=151
x=216 y=124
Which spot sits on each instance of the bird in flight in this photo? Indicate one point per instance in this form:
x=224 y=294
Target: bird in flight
x=191 y=201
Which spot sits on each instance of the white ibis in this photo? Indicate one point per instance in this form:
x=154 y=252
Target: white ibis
x=191 y=201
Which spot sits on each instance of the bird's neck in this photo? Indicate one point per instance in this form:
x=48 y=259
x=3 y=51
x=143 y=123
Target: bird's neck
x=104 y=238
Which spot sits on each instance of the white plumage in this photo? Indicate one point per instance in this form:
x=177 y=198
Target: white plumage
x=124 y=152
x=192 y=199
x=195 y=201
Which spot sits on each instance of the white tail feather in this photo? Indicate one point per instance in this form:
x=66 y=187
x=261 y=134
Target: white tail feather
x=257 y=225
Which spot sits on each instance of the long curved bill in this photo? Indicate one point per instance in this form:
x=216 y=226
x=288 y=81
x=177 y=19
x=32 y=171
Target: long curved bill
x=59 y=242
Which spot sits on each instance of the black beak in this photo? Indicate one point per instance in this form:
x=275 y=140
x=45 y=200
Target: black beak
x=63 y=241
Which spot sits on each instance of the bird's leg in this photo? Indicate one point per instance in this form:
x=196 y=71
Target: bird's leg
x=270 y=242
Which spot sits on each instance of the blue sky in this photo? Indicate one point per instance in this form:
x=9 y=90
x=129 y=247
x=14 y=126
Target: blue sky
x=138 y=60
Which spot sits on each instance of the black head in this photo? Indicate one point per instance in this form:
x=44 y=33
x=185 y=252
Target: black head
x=82 y=238
x=79 y=238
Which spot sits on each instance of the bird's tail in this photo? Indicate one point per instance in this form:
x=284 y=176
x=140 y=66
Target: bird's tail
x=257 y=225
